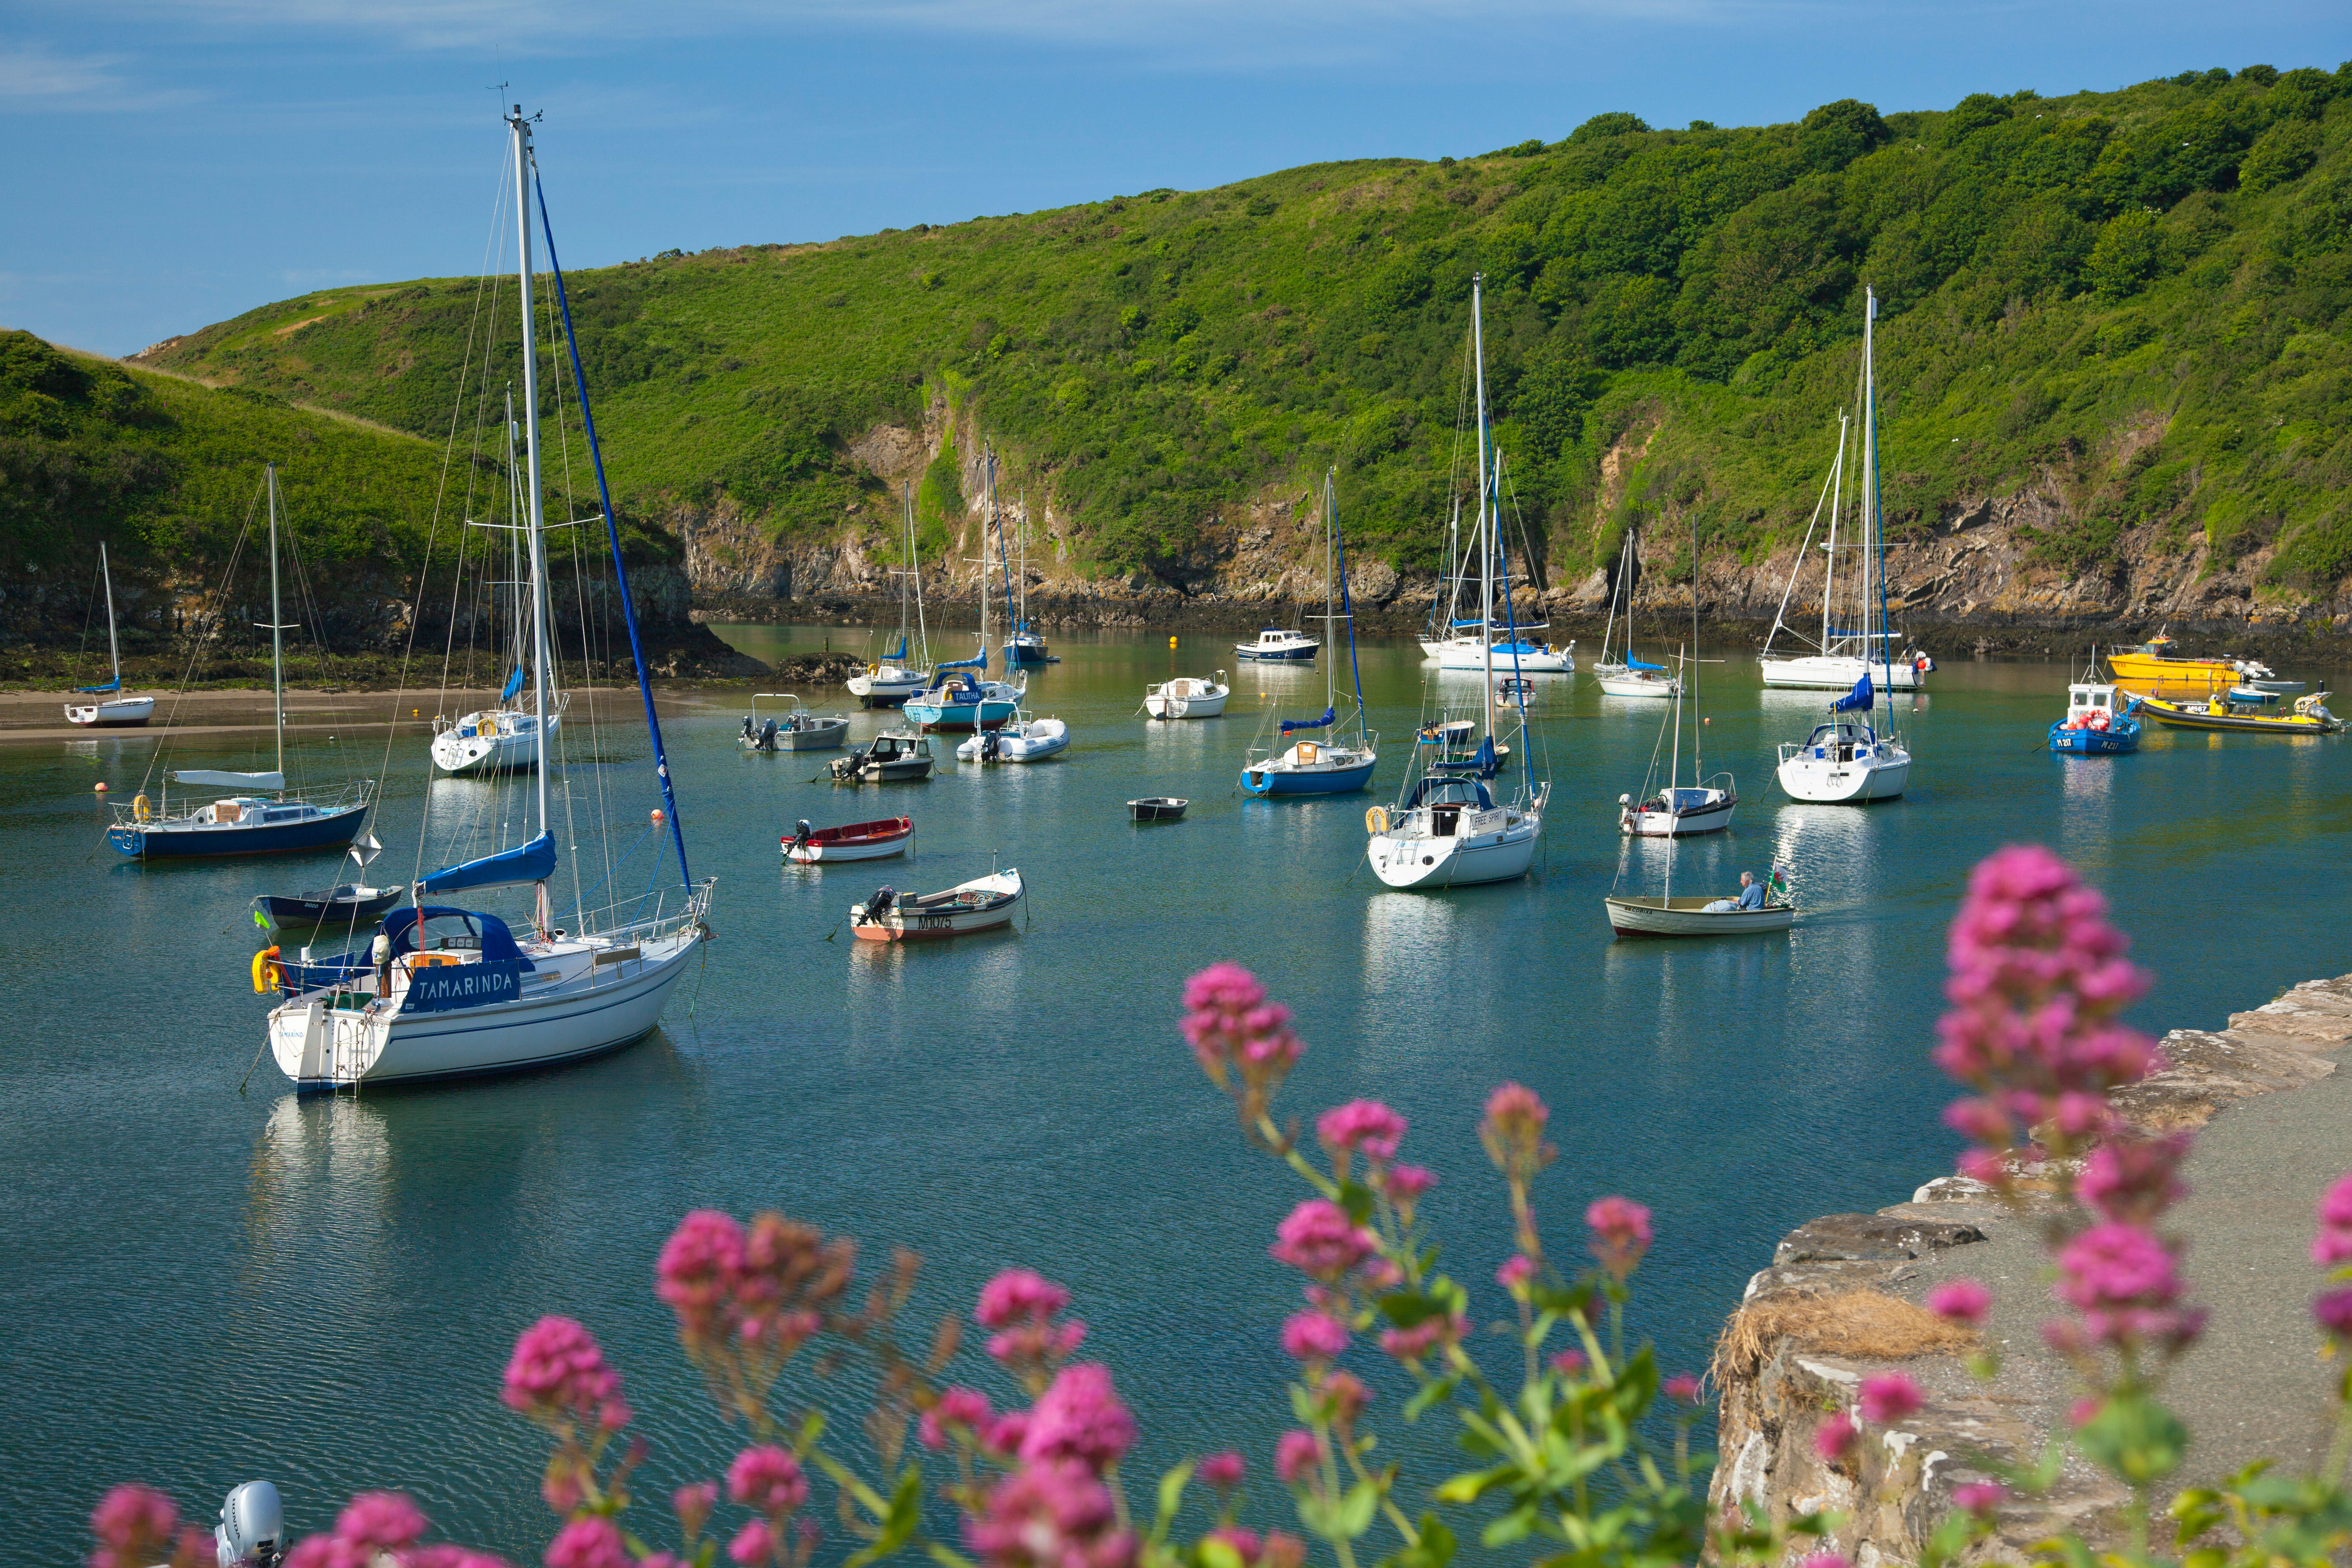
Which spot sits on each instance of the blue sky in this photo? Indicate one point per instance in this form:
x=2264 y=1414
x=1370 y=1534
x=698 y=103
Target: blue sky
x=173 y=163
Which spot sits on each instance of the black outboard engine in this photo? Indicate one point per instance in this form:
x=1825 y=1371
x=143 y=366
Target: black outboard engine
x=801 y=834
x=990 y=741
x=747 y=726
x=880 y=904
x=768 y=736
x=252 y=1533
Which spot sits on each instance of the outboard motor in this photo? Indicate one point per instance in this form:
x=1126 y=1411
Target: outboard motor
x=747 y=726
x=880 y=904
x=990 y=741
x=801 y=833
x=768 y=736
x=252 y=1533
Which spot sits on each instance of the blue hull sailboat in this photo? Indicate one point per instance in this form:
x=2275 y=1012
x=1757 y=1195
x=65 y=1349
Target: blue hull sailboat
x=445 y=991
x=1342 y=763
x=264 y=819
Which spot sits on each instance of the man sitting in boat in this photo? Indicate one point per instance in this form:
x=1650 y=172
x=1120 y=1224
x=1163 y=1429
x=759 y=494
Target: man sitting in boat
x=1751 y=896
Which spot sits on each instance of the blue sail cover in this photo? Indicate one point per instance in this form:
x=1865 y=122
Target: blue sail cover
x=895 y=657
x=531 y=862
x=1858 y=700
x=114 y=685
x=1329 y=716
x=1632 y=663
x=979 y=663
x=1481 y=764
x=514 y=684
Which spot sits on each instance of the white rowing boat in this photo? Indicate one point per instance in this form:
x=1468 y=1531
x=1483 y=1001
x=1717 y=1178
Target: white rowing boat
x=1692 y=916
x=982 y=904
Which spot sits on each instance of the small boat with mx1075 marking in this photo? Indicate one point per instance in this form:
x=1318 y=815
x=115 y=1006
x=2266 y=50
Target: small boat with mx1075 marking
x=982 y=904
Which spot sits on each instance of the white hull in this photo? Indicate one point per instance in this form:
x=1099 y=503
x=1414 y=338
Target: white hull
x=816 y=735
x=1637 y=685
x=1688 y=917
x=1493 y=846
x=122 y=713
x=984 y=903
x=1186 y=698
x=1030 y=743
x=1685 y=823
x=1828 y=781
x=1469 y=653
x=827 y=854
x=889 y=686
x=515 y=743
x=592 y=1008
x=1819 y=672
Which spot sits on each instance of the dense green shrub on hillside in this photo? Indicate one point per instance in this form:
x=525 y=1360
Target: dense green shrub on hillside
x=2049 y=271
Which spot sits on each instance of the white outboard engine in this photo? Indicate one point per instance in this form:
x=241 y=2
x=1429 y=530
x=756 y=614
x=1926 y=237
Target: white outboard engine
x=252 y=1533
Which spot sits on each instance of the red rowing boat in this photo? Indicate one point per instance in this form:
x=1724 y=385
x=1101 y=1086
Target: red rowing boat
x=858 y=841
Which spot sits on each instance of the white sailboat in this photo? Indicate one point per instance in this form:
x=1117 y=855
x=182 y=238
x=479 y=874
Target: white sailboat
x=116 y=713
x=502 y=737
x=1446 y=828
x=446 y=992
x=1629 y=676
x=1845 y=759
x=1187 y=697
x=889 y=680
x=1459 y=644
x=1680 y=811
x=1844 y=655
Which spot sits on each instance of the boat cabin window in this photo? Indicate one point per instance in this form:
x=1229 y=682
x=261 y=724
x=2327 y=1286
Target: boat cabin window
x=447 y=934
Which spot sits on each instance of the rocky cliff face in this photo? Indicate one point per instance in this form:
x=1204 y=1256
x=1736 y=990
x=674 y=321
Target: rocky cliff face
x=1969 y=581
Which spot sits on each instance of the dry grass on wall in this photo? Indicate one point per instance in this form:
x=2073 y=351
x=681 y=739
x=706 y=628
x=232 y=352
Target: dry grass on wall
x=1865 y=1325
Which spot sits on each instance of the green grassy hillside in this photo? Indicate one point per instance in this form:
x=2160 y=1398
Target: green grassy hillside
x=2135 y=302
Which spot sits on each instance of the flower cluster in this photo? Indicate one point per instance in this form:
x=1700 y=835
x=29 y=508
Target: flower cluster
x=376 y=1528
x=1241 y=1041
x=1021 y=1306
x=137 y=1526
x=746 y=1300
x=557 y=1375
x=769 y=1480
x=2331 y=1248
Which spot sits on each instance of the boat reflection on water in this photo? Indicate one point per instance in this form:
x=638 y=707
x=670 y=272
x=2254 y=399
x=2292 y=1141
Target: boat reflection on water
x=322 y=1171
x=1412 y=952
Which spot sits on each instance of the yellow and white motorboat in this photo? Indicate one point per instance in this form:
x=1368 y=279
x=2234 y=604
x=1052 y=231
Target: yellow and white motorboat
x=2245 y=711
x=2154 y=669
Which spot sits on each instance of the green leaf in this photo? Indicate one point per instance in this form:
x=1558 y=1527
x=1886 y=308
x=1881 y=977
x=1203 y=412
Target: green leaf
x=1302 y=1404
x=1406 y=1308
x=1431 y=1393
x=1354 y=1515
x=812 y=1428
x=2134 y=1438
x=1516 y=1525
x=1470 y=1485
x=1357 y=1199
x=1436 y=1548
x=905 y=1514
x=1172 y=1498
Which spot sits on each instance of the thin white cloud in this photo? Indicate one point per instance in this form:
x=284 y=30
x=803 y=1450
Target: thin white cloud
x=36 y=79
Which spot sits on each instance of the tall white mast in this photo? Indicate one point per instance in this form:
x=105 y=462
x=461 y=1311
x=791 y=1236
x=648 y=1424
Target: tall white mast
x=114 y=650
x=1874 y=553
x=536 y=516
x=277 y=632
x=1485 y=535
x=1829 y=571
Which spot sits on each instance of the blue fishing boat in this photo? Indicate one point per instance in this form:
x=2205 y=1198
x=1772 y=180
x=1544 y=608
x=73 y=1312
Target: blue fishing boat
x=266 y=821
x=1343 y=762
x=2100 y=721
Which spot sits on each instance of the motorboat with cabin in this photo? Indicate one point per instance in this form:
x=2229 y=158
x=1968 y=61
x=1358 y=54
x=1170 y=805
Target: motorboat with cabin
x=797 y=729
x=1187 y=697
x=2098 y=721
x=1277 y=645
x=892 y=757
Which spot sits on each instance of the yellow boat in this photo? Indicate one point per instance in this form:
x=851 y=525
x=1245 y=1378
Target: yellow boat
x=2153 y=669
x=2243 y=712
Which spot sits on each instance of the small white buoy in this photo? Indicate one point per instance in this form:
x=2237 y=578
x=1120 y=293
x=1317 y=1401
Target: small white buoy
x=100 y=786
x=1706 y=721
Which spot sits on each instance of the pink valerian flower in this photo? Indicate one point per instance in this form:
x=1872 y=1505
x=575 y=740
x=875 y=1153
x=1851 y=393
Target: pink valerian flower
x=1403 y=1186
x=753 y=1544
x=1514 y=1273
x=133 y=1525
x=1567 y=1363
x=1080 y=1418
x=1963 y=1301
x=2127 y=1284
x=2333 y=1244
x=693 y=1503
x=1005 y=1435
x=1360 y=1126
x=558 y=1372
x=591 y=1542
x=789 y=1273
x=1020 y=1304
x=1344 y=1398
x=1223 y=1471
x=2333 y=1313
x=1235 y=1030
x=1512 y=1133
x=2038 y=983
x=1620 y=1234
x=1313 y=1337
x=444 y=1555
x=1411 y=1344
x=1682 y=1388
x=2131 y=1181
x=957 y=1410
x=1052 y=1514
x=1318 y=1239
x=1888 y=1397
x=769 y=1479
x=1835 y=1439
x=1297 y=1453
x=697 y=1274
x=1980 y=1497
x=1825 y=1560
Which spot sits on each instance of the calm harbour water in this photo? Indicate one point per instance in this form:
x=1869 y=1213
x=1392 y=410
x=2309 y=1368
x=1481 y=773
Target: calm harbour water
x=199 y=1286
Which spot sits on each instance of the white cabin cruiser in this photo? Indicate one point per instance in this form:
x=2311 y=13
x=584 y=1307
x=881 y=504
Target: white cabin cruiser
x=1279 y=644
x=1187 y=697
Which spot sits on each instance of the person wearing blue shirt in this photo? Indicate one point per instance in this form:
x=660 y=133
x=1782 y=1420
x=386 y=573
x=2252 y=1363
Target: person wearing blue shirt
x=1751 y=896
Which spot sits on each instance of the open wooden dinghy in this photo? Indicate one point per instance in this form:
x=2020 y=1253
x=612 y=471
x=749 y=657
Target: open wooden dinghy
x=982 y=904
x=876 y=840
x=1157 y=808
x=1691 y=916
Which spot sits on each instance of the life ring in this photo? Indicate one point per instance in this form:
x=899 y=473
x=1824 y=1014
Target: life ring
x=264 y=972
x=874 y=670
x=141 y=807
x=1376 y=819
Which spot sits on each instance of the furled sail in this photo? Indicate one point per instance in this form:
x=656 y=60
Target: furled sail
x=1329 y=716
x=531 y=862
x=514 y=684
x=270 y=783
x=1858 y=700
